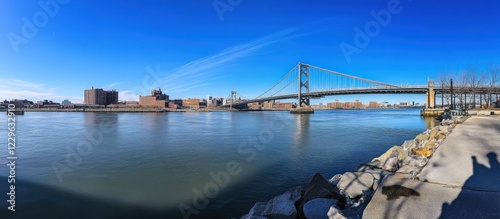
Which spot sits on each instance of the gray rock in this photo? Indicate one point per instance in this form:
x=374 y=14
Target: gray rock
x=444 y=129
x=377 y=178
x=335 y=179
x=415 y=161
x=447 y=122
x=353 y=184
x=282 y=206
x=318 y=208
x=397 y=151
x=409 y=144
x=318 y=187
x=335 y=213
x=370 y=167
x=420 y=138
x=392 y=163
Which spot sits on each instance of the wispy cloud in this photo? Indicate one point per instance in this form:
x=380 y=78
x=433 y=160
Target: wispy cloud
x=203 y=71
x=19 y=89
x=111 y=86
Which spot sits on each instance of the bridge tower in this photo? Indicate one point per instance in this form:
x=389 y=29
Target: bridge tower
x=303 y=85
x=232 y=99
x=431 y=96
x=304 y=102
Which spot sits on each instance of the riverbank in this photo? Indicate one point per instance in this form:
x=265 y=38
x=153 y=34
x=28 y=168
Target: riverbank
x=347 y=195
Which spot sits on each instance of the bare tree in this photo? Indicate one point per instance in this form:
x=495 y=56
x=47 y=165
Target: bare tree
x=444 y=81
x=492 y=79
x=474 y=81
x=462 y=88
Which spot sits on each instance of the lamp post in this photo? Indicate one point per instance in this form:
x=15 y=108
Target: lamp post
x=452 y=96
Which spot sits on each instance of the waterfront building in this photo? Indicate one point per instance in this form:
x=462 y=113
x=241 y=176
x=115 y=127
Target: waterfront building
x=209 y=101
x=268 y=105
x=100 y=97
x=255 y=105
x=191 y=103
x=46 y=104
x=335 y=105
x=174 y=104
x=18 y=103
x=279 y=105
x=358 y=104
x=66 y=102
x=218 y=101
x=374 y=105
x=156 y=99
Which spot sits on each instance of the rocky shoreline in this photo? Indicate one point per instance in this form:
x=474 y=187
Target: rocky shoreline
x=347 y=195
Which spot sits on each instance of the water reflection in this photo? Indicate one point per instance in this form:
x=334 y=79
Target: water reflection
x=430 y=122
x=301 y=136
x=95 y=119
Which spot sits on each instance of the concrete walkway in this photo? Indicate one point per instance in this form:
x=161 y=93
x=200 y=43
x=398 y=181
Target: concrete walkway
x=461 y=180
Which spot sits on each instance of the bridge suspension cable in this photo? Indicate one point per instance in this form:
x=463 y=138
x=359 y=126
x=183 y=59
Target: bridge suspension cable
x=353 y=77
x=288 y=82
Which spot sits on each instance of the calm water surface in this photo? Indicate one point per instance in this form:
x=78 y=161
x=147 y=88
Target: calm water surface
x=130 y=165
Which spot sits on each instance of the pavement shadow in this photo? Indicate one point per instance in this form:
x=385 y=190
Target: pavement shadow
x=480 y=195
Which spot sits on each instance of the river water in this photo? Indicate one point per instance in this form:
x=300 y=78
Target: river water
x=207 y=164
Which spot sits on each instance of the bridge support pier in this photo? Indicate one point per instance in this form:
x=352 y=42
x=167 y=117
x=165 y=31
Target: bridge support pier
x=430 y=103
x=431 y=96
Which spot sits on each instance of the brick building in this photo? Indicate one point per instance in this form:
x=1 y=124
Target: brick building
x=100 y=97
x=191 y=103
x=156 y=99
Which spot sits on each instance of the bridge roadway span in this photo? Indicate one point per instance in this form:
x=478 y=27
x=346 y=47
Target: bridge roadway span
x=384 y=90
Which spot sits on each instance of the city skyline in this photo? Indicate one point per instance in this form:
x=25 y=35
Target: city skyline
x=195 y=49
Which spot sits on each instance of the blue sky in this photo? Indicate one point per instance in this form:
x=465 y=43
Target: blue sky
x=191 y=49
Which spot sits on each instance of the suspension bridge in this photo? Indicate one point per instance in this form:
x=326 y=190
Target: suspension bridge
x=305 y=82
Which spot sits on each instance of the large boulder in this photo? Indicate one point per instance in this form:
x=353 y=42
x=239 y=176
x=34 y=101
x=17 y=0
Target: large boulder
x=318 y=187
x=421 y=152
x=447 y=122
x=377 y=178
x=280 y=207
x=444 y=129
x=433 y=133
x=400 y=153
x=392 y=163
x=354 y=184
x=415 y=161
x=440 y=136
x=335 y=179
x=318 y=208
x=372 y=167
x=420 y=138
x=431 y=144
x=409 y=144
